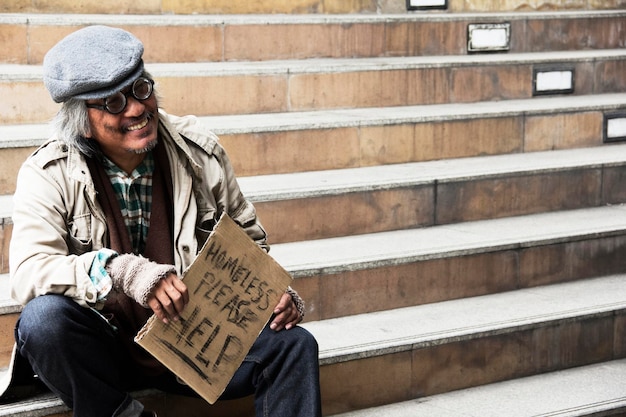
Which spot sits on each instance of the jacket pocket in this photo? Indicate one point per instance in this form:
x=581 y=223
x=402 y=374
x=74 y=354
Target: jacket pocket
x=79 y=239
x=205 y=226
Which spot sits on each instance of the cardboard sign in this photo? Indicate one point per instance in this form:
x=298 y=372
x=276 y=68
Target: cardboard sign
x=233 y=288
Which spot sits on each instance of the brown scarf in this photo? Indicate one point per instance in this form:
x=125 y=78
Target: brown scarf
x=126 y=314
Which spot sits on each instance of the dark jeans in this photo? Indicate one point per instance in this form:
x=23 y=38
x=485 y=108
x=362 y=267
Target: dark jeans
x=78 y=355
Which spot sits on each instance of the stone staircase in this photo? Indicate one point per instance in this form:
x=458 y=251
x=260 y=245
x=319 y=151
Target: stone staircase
x=456 y=227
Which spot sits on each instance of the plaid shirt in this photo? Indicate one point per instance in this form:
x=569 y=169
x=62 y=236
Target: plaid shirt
x=134 y=195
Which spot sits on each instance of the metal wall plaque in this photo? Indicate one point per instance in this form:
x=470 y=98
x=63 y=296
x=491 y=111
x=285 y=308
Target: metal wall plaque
x=426 y=4
x=488 y=37
x=615 y=127
x=553 y=80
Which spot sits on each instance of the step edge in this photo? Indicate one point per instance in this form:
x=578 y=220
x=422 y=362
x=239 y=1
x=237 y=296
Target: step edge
x=465 y=319
x=502 y=390
x=299 y=185
x=22 y=72
x=336 y=255
x=81 y=19
x=414 y=114
x=340 y=355
x=370 y=116
x=49 y=403
x=333 y=182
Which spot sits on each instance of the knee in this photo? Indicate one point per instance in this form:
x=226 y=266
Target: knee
x=305 y=338
x=44 y=319
x=310 y=343
x=301 y=342
x=302 y=352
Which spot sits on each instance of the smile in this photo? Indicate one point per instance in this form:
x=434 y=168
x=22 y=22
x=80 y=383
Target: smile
x=138 y=126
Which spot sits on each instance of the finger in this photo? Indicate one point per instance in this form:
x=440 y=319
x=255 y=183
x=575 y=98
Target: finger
x=286 y=314
x=294 y=319
x=286 y=319
x=177 y=292
x=284 y=302
x=172 y=293
x=173 y=302
x=182 y=288
x=157 y=309
x=285 y=322
x=289 y=322
x=166 y=304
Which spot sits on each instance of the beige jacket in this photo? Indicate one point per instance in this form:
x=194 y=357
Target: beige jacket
x=59 y=225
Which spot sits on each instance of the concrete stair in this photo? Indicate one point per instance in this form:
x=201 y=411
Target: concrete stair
x=263 y=144
x=596 y=390
x=458 y=238
x=517 y=329
x=339 y=83
x=292 y=6
x=227 y=37
x=365 y=200
x=460 y=344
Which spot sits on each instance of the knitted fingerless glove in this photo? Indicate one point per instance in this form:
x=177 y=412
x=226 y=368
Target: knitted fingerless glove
x=136 y=276
x=297 y=300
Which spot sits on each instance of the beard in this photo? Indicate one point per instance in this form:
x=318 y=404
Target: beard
x=149 y=116
x=150 y=146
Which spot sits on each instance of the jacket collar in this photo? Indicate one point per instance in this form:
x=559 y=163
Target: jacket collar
x=77 y=166
x=173 y=126
x=169 y=128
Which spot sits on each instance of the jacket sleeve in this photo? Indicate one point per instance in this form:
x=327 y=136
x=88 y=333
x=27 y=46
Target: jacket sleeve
x=51 y=246
x=240 y=209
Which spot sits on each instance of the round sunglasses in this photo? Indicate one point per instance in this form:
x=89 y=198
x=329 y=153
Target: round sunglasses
x=141 y=90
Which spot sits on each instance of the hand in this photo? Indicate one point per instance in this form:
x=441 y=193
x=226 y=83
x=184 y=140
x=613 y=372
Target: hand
x=286 y=314
x=168 y=298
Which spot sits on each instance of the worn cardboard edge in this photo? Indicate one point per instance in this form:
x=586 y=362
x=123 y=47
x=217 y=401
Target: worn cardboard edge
x=153 y=325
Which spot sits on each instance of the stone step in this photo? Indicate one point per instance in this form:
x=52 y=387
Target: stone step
x=354 y=201
x=410 y=267
x=50 y=405
x=358 y=137
x=294 y=7
x=204 y=6
x=366 y=200
x=227 y=37
x=350 y=138
x=223 y=88
x=397 y=269
x=586 y=391
x=397 y=355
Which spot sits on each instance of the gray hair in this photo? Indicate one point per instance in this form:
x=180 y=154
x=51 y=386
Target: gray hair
x=71 y=125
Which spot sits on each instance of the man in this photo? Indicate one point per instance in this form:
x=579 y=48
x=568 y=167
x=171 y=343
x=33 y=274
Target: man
x=108 y=213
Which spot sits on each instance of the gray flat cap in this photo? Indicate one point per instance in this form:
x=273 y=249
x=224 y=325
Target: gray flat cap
x=92 y=63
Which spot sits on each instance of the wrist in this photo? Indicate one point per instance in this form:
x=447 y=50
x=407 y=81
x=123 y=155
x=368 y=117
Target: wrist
x=297 y=300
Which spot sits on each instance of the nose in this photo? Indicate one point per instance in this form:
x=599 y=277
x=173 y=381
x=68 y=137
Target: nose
x=134 y=107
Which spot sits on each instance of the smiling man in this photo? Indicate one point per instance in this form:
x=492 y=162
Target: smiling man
x=108 y=213
x=126 y=140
